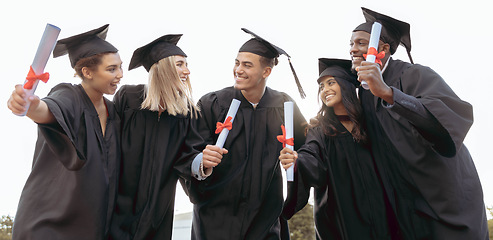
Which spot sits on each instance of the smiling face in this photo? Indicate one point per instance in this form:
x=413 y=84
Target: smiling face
x=249 y=74
x=106 y=76
x=330 y=94
x=358 y=46
x=182 y=67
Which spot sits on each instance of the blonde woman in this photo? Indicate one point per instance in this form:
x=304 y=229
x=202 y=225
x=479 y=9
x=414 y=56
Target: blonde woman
x=158 y=141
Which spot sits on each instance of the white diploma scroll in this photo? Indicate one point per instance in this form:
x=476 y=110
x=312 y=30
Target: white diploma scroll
x=288 y=125
x=376 y=28
x=233 y=108
x=45 y=47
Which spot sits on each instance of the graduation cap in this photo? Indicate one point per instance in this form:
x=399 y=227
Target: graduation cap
x=84 y=45
x=338 y=68
x=394 y=32
x=158 y=49
x=262 y=47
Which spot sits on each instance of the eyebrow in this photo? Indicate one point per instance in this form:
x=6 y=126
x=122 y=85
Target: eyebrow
x=246 y=62
x=359 y=39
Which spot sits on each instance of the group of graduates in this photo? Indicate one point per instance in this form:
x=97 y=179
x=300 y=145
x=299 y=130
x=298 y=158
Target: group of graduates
x=384 y=163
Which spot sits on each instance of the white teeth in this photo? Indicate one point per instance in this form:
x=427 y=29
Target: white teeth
x=328 y=97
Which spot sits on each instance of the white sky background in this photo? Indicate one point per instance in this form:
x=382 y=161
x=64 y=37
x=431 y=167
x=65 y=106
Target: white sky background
x=454 y=40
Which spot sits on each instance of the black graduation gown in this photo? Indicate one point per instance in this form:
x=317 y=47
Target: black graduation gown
x=349 y=198
x=432 y=181
x=156 y=151
x=72 y=186
x=243 y=197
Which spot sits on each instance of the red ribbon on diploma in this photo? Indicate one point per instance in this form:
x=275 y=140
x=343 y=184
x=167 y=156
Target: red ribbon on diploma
x=227 y=124
x=282 y=138
x=32 y=77
x=373 y=51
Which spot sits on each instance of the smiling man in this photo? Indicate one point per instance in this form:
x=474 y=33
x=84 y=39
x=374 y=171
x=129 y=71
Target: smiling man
x=243 y=198
x=418 y=124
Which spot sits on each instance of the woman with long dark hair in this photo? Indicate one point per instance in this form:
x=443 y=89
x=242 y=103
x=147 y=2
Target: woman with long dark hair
x=336 y=161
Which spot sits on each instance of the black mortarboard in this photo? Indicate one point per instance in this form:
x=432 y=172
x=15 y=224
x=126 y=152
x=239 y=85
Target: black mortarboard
x=262 y=47
x=394 y=32
x=84 y=45
x=158 y=49
x=338 y=68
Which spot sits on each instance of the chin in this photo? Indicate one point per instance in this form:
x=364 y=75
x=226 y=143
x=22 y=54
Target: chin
x=237 y=86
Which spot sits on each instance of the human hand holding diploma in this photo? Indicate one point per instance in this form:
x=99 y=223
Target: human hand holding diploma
x=36 y=71
x=212 y=154
x=373 y=55
x=287 y=137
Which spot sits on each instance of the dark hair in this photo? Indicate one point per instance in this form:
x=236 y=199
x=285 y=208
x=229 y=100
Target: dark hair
x=268 y=62
x=91 y=62
x=327 y=119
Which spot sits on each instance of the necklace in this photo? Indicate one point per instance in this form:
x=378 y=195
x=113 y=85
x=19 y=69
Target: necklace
x=343 y=118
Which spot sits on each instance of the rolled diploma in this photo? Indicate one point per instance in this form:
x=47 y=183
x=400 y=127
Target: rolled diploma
x=233 y=108
x=376 y=28
x=288 y=125
x=45 y=47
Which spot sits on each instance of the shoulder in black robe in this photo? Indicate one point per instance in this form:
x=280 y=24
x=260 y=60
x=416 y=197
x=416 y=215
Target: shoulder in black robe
x=156 y=151
x=243 y=197
x=348 y=196
x=72 y=186
x=434 y=182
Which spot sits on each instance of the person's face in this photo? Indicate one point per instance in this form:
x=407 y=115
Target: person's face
x=330 y=94
x=248 y=72
x=358 y=46
x=108 y=74
x=359 y=43
x=182 y=67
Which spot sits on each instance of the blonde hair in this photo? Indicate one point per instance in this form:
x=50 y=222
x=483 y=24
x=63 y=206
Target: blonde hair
x=166 y=91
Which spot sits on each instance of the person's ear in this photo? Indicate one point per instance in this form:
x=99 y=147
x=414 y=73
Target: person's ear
x=386 y=48
x=267 y=72
x=86 y=72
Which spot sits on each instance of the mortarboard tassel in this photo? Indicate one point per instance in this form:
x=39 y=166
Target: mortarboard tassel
x=300 y=89
x=410 y=58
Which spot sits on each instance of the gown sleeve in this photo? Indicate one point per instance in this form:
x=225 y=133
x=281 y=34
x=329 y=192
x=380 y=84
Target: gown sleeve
x=205 y=124
x=203 y=127
x=66 y=137
x=444 y=119
x=310 y=171
x=193 y=145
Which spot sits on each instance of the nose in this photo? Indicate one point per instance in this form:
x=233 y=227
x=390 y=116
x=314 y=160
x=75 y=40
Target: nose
x=186 y=71
x=238 y=69
x=353 y=49
x=120 y=73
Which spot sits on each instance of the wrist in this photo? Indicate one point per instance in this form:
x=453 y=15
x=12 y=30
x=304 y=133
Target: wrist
x=388 y=95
